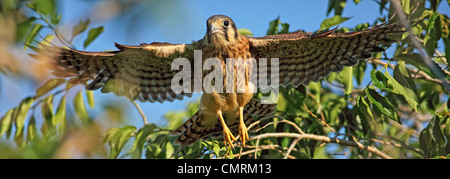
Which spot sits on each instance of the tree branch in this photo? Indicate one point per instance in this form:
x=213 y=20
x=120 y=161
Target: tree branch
x=324 y=139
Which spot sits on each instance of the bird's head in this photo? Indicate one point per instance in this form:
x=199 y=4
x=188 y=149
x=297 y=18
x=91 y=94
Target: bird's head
x=221 y=30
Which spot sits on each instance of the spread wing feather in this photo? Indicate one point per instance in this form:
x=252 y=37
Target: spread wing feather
x=306 y=57
x=137 y=72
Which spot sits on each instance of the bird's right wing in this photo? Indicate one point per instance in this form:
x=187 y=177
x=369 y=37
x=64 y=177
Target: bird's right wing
x=137 y=72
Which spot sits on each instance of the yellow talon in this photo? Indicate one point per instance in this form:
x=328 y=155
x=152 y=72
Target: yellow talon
x=228 y=136
x=242 y=128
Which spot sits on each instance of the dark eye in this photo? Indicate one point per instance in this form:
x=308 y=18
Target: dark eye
x=226 y=23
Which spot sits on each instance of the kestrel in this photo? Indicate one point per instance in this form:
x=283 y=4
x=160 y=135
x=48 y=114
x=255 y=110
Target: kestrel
x=144 y=72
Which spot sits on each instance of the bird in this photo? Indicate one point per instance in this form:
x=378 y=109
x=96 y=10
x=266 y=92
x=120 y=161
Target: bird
x=144 y=72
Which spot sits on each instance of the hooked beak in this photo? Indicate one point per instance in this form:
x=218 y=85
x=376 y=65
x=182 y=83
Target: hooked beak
x=215 y=29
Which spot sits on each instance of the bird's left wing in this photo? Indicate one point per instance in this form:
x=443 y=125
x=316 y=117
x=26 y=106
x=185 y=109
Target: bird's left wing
x=137 y=72
x=305 y=57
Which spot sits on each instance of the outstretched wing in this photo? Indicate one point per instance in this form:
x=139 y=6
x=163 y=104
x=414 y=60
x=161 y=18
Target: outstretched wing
x=304 y=57
x=137 y=72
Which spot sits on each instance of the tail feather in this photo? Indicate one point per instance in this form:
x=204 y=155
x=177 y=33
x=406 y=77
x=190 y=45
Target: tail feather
x=194 y=129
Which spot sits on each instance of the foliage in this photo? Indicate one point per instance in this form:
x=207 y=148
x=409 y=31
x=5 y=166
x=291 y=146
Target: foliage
x=382 y=116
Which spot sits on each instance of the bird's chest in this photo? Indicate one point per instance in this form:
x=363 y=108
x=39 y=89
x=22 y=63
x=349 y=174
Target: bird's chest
x=227 y=86
x=226 y=67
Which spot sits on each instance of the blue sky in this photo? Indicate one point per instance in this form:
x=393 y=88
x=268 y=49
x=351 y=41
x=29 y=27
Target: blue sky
x=183 y=22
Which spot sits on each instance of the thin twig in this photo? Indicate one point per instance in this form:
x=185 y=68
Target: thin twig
x=290 y=148
x=144 y=118
x=322 y=121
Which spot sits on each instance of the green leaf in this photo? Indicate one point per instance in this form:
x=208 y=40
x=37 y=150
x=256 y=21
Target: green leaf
x=402 y=75
x=32 y=34
x=246 y=32
x=23 y=27
x=80 y=108
x=416 y=60
x=358 y=72
x=274 y=26
x=333 y=21
x=364 y=107
x=337 y=5
x=447 y=46
x=22 y=112
x=169 y=149
x=92 y=35
x=406 y=6
x=31 y=130
x=284 y=28
x=46 y=41
x=48 y=86
x=80 y=27
x=383 y=104
x=432 y=140
x=379 y=80
x=60 y=115
x=47 y=128
x=6 y=121
x=46 y=7
x=347 y=79
x=90 y=98
x=117 y=138
x=407 y=93
x=153 y=151
x=141 y=137
x=55 y=18
x=433 y=34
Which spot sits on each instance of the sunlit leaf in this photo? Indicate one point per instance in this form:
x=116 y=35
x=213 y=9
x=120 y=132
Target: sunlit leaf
x=80 y=108
x=48 y=86
x=60 y=114
x=333 y=21
x=141 y=137
x=92 y=35
x=80 y=27
x=359 y=72
x=244 y=31
x=47 y=113
x=169 y=149
x=6 y=122
x=347 y=79
x=32 y=34
x=22 y=112
x=117 y=138
x=90 y=98
x=46 y=7
x=31 y=130
x=407 y=93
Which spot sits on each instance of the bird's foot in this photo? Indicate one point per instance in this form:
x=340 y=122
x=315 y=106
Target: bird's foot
x=243 y=134
x=227 y=135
